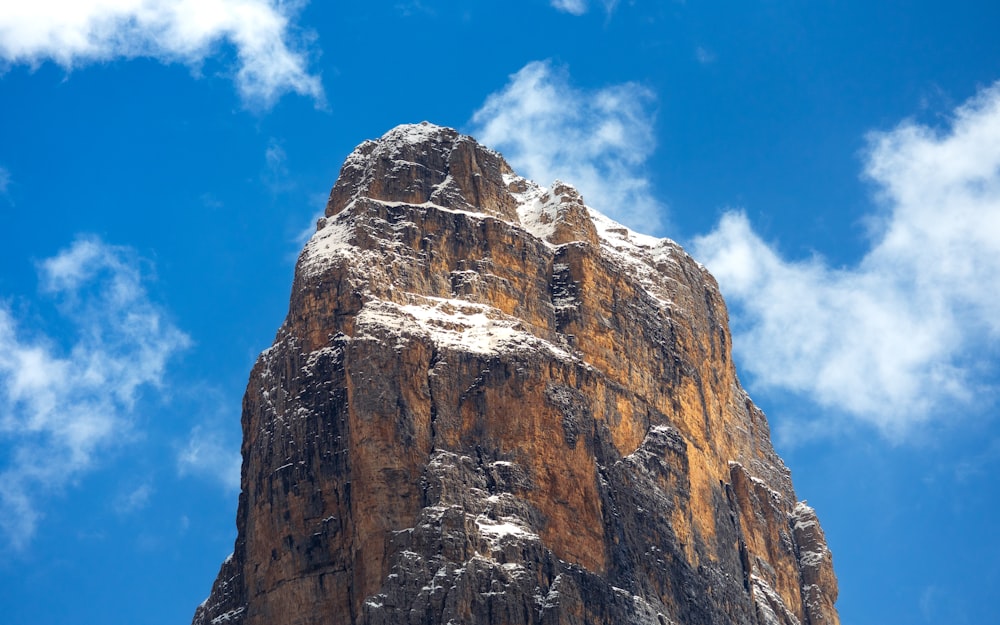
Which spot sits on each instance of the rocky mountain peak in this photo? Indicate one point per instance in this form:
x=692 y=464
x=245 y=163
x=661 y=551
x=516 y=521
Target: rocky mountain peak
x=423 y=163
x=491 y=404
x=428 y=164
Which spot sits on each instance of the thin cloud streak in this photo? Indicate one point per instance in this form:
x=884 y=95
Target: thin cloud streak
x=597 y=140
x=573 y=7
x=208 y=454
x=895 y=340
x=276 y=176
x=134 y=500
x=579 y=7
x=72 y=33
x=64 y=402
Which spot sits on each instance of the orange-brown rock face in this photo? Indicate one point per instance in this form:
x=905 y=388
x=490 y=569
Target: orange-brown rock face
x=489 y=404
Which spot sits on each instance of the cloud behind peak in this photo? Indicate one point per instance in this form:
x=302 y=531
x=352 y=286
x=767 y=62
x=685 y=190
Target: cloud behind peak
x=901 y=336
x=597 y=140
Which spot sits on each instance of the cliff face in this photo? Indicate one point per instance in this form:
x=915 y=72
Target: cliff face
x=490 y=404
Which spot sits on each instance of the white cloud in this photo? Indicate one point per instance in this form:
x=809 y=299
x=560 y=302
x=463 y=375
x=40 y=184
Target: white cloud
x=579 y=7
x=63 y=402
x=78 y=32
x=4 y=180
x=598 y=140
x=900 y=338
x=575 y=7
x=207 y=453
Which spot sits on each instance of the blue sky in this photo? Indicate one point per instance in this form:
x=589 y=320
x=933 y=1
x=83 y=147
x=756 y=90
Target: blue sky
x=835 y=164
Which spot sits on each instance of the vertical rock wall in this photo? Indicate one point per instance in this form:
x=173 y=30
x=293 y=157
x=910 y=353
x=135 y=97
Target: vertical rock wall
x=489 y=404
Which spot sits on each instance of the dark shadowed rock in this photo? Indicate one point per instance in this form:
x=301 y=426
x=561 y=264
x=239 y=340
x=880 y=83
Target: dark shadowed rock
x=489 y=404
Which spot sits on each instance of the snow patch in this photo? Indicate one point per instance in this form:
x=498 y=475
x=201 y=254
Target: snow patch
x=455 y=324
x=640 y=255
x=537 y=207
x=494 y=530
x=769 y=603
x=413 y=134
x=805 y=516
x=228 y=616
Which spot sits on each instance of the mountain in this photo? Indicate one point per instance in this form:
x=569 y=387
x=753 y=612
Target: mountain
x=490 y=404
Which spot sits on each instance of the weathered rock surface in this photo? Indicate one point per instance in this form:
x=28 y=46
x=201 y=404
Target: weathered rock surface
x=489 y=404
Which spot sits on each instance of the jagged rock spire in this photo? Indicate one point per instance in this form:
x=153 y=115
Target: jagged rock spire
x=490 y=404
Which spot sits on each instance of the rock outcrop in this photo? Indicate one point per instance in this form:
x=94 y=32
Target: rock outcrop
x=490 y=404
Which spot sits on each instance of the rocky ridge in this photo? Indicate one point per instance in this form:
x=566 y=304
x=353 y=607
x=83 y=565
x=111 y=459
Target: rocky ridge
x=491 y=404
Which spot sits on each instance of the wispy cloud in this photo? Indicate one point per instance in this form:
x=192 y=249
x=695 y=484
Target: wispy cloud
x=318 y=200
x=575 y=7
x=897 y=339
x=208 y=453
x=64 y=401
x=5 y=182
x=275 y=175
x=134 y=499
x=271 y=59
x=413 y=7
x=579 y=7
x=597 y=140
x=978 y=466
x=210 y=201
x=704 y=56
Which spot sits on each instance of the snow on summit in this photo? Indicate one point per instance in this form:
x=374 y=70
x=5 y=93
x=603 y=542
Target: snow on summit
x=370 y=235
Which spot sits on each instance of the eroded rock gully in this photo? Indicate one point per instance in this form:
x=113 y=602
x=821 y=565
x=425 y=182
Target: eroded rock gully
x=489 y=404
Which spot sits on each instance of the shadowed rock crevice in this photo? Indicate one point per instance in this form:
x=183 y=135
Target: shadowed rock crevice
x=490 y=404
